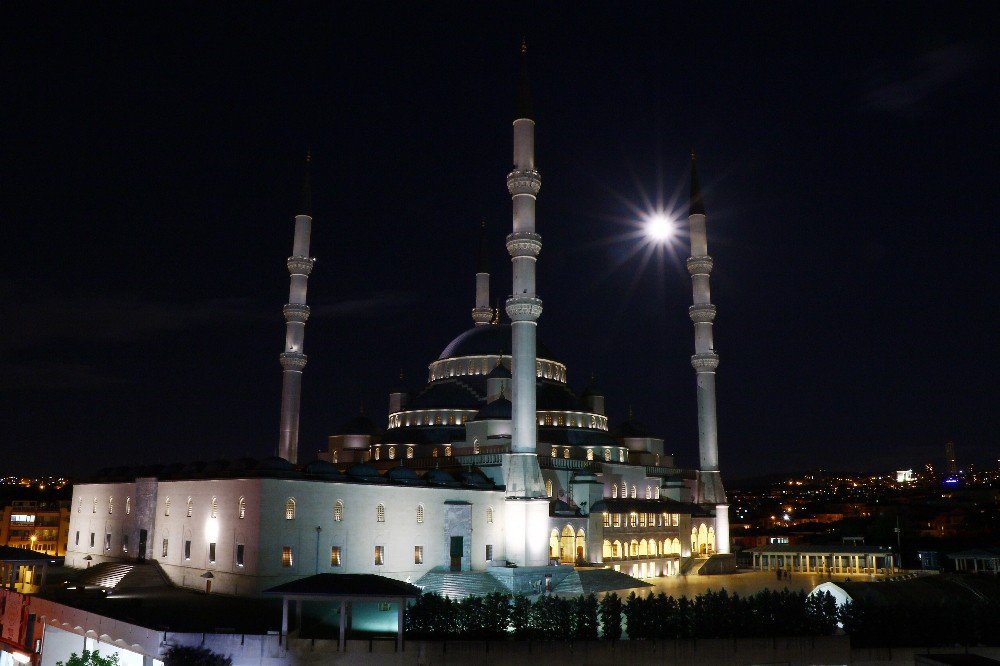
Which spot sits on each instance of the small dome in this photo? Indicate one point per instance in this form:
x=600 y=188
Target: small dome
x=403 y=474
x=439 y=477
x=499 y=371
x=360 y=425
x=476 y=479
x=323 y=470
x=363 y=472
x=487 y=341
x=499 y=409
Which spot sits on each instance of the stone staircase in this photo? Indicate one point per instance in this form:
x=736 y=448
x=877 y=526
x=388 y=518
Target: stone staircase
x=692 y=565
x=144 y=575
x=459 y=584
x=105 y=575
x=595 y=581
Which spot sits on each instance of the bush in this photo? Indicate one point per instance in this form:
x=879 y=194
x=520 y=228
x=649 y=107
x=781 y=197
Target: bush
x=611 y=617
x=180 y=655
x=88 y=658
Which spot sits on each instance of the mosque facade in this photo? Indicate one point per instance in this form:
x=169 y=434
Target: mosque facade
x=496 y=466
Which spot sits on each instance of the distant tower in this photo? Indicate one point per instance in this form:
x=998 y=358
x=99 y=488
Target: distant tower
x=482 y=314
x=527 y=504
x=293 y=360
x=705 y=361
x=949 y=456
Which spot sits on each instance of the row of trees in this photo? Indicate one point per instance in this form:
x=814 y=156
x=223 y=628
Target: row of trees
x=709 y=615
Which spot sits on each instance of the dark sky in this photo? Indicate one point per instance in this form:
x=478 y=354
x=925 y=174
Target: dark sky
x=152 y=162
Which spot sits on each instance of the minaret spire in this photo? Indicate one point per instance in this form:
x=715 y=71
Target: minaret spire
x=527 y=503
x=705 y=361
x=482 y=314
x=296 y=312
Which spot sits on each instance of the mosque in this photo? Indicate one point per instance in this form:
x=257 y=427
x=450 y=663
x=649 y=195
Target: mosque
x=495 y=471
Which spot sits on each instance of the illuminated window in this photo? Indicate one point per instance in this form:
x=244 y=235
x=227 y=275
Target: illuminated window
x=554 y=453
x=548 y=419
x=335 y=556
x=434 y=452
x=380 y=513
x=420 y=513
x=562 y=419
x=614 y=490
x=566 y=452
x=243 y=508
x=378 y=453
x=392 y=453
x=656 y=492
x=128 y=505
x=211 y=553
x=124 y=543
x=489 y=552
x=624 y=490
x=621 y=455
x=409 y=452
x=489 y=514
x=338 y=511
x=240 y=552
x=215 y=507
x=164 y=550
x=286 y=556
x=447 y=451
x=475 y=446
x=607 y=455
x=633 y=492
x=607 y=520
x=617 y=519
x=190 y=507
x=649 y=492
x=590 y=454
x=95 y=506
x=166 y=507
x=548 y=487
x=437 y=419
x=642 y=519
x=418 y=554
x=290 y=509
x=187 y=549
x=111 y=505
x=379 y=555
x=633 y=519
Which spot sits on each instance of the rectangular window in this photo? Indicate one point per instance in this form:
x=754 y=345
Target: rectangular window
x=418 y=554
x=335 y=556
x=124 y=543
x=107 y=542
x=383 y=606
x=77 y=542
x=240 y=551
x=286 y=556
x=211 y=553
x=607 y=520
x=642 y=519
x=633 y=519
x=187 y=550
x=91 y=539
x=165 y=543
x=618 y=519
x=489 y=552
x=379 y=555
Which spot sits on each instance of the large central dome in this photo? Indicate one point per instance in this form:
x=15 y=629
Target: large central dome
x=487 y=340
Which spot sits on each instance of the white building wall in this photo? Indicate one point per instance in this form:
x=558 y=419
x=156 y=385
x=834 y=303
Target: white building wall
x=89 y=514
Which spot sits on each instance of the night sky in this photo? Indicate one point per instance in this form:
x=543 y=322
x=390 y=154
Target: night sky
x=151 y=167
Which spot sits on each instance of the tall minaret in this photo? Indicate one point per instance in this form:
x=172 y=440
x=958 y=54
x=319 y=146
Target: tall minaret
x=482 y=314
x=293 y=360
x=705 y=361
x=527 y=505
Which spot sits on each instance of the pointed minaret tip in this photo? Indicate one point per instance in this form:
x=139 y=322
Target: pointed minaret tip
x=484 y=255
x=697 y=203
x=523 y=90
x=305 y=201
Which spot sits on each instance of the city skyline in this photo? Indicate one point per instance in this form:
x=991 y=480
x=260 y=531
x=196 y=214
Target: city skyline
x=160 y=194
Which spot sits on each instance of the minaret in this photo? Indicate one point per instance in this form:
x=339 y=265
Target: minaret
x=527 y=505
x=705 y=361
x=482 y=314
x=293 y=360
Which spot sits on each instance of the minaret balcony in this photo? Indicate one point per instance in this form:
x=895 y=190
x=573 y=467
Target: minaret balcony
x=296 y=312
x=702 y=313
x=482 y=316
x=524 y=244
x=527 y=181
x=524 y=308
x=300 y=265
x=706 y=362
x=700 y=265
x=295 y=361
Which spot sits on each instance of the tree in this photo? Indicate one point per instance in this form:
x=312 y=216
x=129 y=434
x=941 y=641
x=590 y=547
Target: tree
x=611 y=617
x=180 y=655
x=88 y=658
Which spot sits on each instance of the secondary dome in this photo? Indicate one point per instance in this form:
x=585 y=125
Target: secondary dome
x=487 y=341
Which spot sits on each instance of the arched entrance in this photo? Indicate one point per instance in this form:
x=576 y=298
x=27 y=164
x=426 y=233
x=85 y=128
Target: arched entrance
x=567 y=546
x=581 y=546
x=702 y=539
x=711 y=540
x=607 y=549
x=554 y=545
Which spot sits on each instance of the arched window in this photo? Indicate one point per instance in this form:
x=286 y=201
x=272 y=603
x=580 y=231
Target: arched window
x=420 y=513
x=215 y=507
x=548 y=487
x=338 y=511
x=633 y=493
x=566 y=452
x=128 y=506
x=489 y=514
x=656 y=491
x=166 y=507
x=434 y=452
x=380 y=513
x=190 y=507
x=590 y=454
x=243 y=508
x=624 y=490
x=378 y=452
x=392 y=453
x=649 y=492
x=607 y=455
x=95 y=506
x=554 y=453
x=290 y=509
x=409 y=452
x=614 y=491
x=447 y=452
x=111 y=505
x=621 y=455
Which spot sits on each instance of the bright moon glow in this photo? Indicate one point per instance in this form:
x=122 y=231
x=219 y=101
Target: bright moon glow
x=659 y=227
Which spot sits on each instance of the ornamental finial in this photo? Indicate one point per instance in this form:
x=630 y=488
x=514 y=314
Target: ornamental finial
x=305 y=201
x=697 y=204
x=523 y=92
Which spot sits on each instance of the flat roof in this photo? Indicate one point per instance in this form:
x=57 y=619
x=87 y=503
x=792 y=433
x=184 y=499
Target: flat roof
x=345 y=585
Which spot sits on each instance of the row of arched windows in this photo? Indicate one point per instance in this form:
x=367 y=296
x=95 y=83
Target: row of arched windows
x=641 y=548
x=338 y=511
x=111 y=505
x=652 y=492
x=241 y=511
